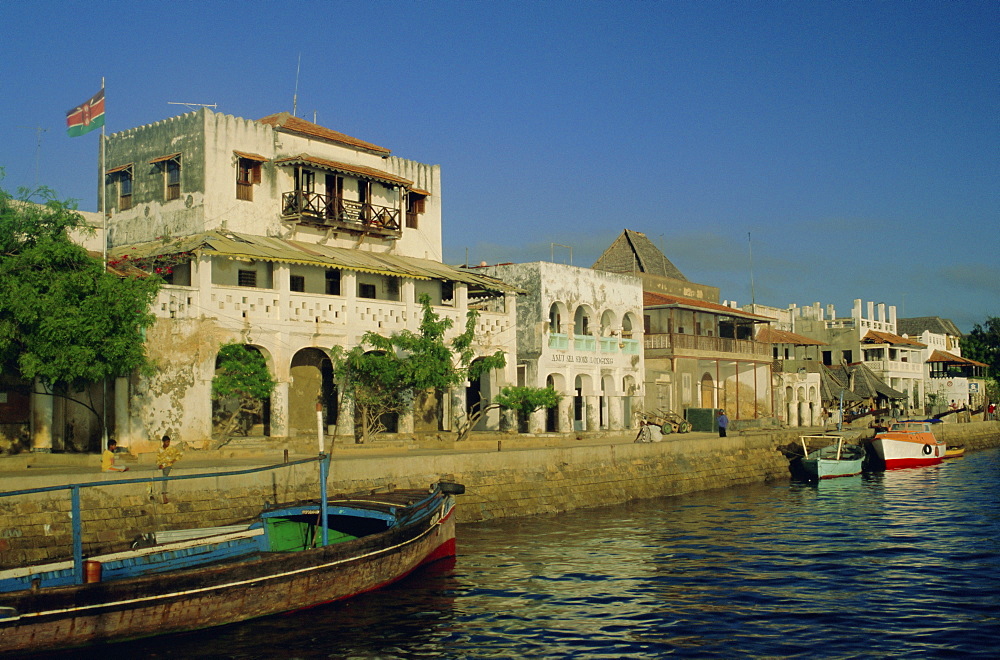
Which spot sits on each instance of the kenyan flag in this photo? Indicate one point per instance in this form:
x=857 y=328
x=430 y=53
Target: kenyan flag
x=85 y=118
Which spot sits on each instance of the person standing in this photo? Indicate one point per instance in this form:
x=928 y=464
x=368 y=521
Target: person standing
x=723 y=423
x=108 y=459
x=165 y=459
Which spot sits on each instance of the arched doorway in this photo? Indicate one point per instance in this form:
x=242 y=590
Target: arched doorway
x=232 y=415
x=311 y=383
x=707 y=391
x=552 y=414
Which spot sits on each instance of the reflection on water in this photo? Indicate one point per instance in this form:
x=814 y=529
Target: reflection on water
x=898 y=564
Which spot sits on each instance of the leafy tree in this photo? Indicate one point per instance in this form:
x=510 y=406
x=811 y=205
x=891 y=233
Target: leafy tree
x=241 y=385
x=983 y=345
x=64 y=319
x=526 y=400
x=381 y=374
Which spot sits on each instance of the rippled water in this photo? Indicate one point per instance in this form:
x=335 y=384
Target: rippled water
x=897 y=564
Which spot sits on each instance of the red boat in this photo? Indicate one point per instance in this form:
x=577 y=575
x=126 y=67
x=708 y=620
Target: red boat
x=909 y=444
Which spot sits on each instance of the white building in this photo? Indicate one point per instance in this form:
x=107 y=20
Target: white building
x=291 y=238
x=579 y=332
x=870 y=338
x=950 y=380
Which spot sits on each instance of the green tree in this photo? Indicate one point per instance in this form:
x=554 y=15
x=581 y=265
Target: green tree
x=241 y=385
x=64 y=319
x=526 y=400
x=983 y=345
x=381 y=374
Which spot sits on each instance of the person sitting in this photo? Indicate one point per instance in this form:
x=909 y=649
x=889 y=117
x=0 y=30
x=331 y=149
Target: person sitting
x=108 y=459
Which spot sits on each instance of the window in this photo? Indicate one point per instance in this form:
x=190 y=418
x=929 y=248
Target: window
x=170 y=167
x=366 y=290
x=297 y=283
x=173 y=179
x=125 y=191
x=447 y=293
x=247 y=174
x=247 y=278
x=122 y=176
x=332 y=282
x=392 y=288
x=415 y=205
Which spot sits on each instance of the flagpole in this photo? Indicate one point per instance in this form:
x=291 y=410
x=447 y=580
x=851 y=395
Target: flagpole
x=104 y=260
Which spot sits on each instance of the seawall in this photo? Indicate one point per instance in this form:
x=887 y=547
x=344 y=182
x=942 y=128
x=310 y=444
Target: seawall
x=517 y=480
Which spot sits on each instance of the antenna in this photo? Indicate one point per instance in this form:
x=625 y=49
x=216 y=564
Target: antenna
x=295 y=96
x=193 y=106
x=753 y=298
x=38 y=146
x=552 y=247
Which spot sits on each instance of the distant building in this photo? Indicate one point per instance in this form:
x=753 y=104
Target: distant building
x=949 y=378
x=867 y=338
x=700 y=354
x=579 y=331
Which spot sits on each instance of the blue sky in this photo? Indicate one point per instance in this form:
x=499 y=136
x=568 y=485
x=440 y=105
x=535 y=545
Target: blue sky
x=852 y=147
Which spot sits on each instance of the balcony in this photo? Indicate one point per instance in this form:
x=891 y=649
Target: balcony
x=343 y=214
x=678 y=342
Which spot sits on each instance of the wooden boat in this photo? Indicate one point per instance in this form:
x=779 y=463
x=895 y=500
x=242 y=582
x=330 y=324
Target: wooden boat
x=278 y=563
x=830 y=461
x=954 y=452
x=909 y=443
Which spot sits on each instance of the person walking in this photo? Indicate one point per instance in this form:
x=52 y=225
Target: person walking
x=723 y=423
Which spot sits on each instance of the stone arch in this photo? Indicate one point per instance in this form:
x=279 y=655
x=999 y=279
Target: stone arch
x=604 y=402
x=557 y=312
x=630 y=324
x=557 y=382
x=629 y=391
x=311 y=382
x=247 y=423
x=478 y=394
x=802 y=405
x=583 y=320
x=609 y=323
x=583 y=387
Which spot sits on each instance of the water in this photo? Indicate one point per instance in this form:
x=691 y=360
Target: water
x=902 y=564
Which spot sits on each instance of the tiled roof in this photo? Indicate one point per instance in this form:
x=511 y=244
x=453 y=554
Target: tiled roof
x=920 y=324
x=363 y=170
x=285 y=121
x=772 y=335
x=944 y=356
x=877 y=337
x=632 y=252
x=650 y=299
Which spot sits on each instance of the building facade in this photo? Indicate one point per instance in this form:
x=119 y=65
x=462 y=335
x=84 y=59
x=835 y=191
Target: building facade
x=579 y=332
x=289 y=238
x=700 y=355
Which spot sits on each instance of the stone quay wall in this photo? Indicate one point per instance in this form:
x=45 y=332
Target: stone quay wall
x=511 y=480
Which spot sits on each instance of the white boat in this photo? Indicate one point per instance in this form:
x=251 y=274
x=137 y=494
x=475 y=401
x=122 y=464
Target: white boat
x=832 y=460
x=909 y=444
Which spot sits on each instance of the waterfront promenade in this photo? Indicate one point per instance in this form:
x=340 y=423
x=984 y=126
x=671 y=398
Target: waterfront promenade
x=506 y=476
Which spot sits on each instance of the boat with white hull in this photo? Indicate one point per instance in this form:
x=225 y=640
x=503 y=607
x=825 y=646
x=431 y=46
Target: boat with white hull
x=909 y=444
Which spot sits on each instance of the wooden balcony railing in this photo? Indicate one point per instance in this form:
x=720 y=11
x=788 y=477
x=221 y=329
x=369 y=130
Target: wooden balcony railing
x=340 y=213
x=676 y=342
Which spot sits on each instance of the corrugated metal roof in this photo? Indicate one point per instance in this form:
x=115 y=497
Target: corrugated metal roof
x=263 y=248
x=163 y=158
x=878 y=337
